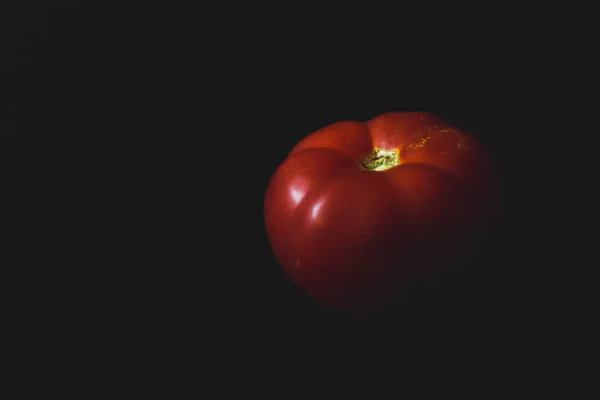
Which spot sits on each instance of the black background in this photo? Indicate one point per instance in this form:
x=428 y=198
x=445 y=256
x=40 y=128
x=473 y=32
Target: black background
x=137 y=147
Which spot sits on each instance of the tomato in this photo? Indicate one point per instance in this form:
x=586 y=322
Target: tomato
x=359 y=210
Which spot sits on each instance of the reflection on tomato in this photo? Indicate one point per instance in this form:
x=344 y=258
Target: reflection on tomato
x=359 y=210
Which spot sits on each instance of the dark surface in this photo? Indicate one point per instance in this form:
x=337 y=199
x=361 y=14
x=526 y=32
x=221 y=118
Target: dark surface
x=136 y=151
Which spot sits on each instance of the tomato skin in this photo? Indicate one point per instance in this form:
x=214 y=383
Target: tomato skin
x=354 y=239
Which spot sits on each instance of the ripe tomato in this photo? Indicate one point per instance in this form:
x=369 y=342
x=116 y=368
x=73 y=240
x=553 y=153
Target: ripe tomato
x=359 y=210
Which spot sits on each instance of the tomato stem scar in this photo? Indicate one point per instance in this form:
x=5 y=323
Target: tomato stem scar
x=380 y=160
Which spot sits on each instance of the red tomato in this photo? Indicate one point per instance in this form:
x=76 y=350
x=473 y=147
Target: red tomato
x=359 y=210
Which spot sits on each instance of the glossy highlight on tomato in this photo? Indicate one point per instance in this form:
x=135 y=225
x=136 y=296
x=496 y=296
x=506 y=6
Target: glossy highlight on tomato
x=359 y=210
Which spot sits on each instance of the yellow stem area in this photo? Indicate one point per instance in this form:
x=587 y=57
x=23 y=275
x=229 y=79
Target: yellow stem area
x=380 y=160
